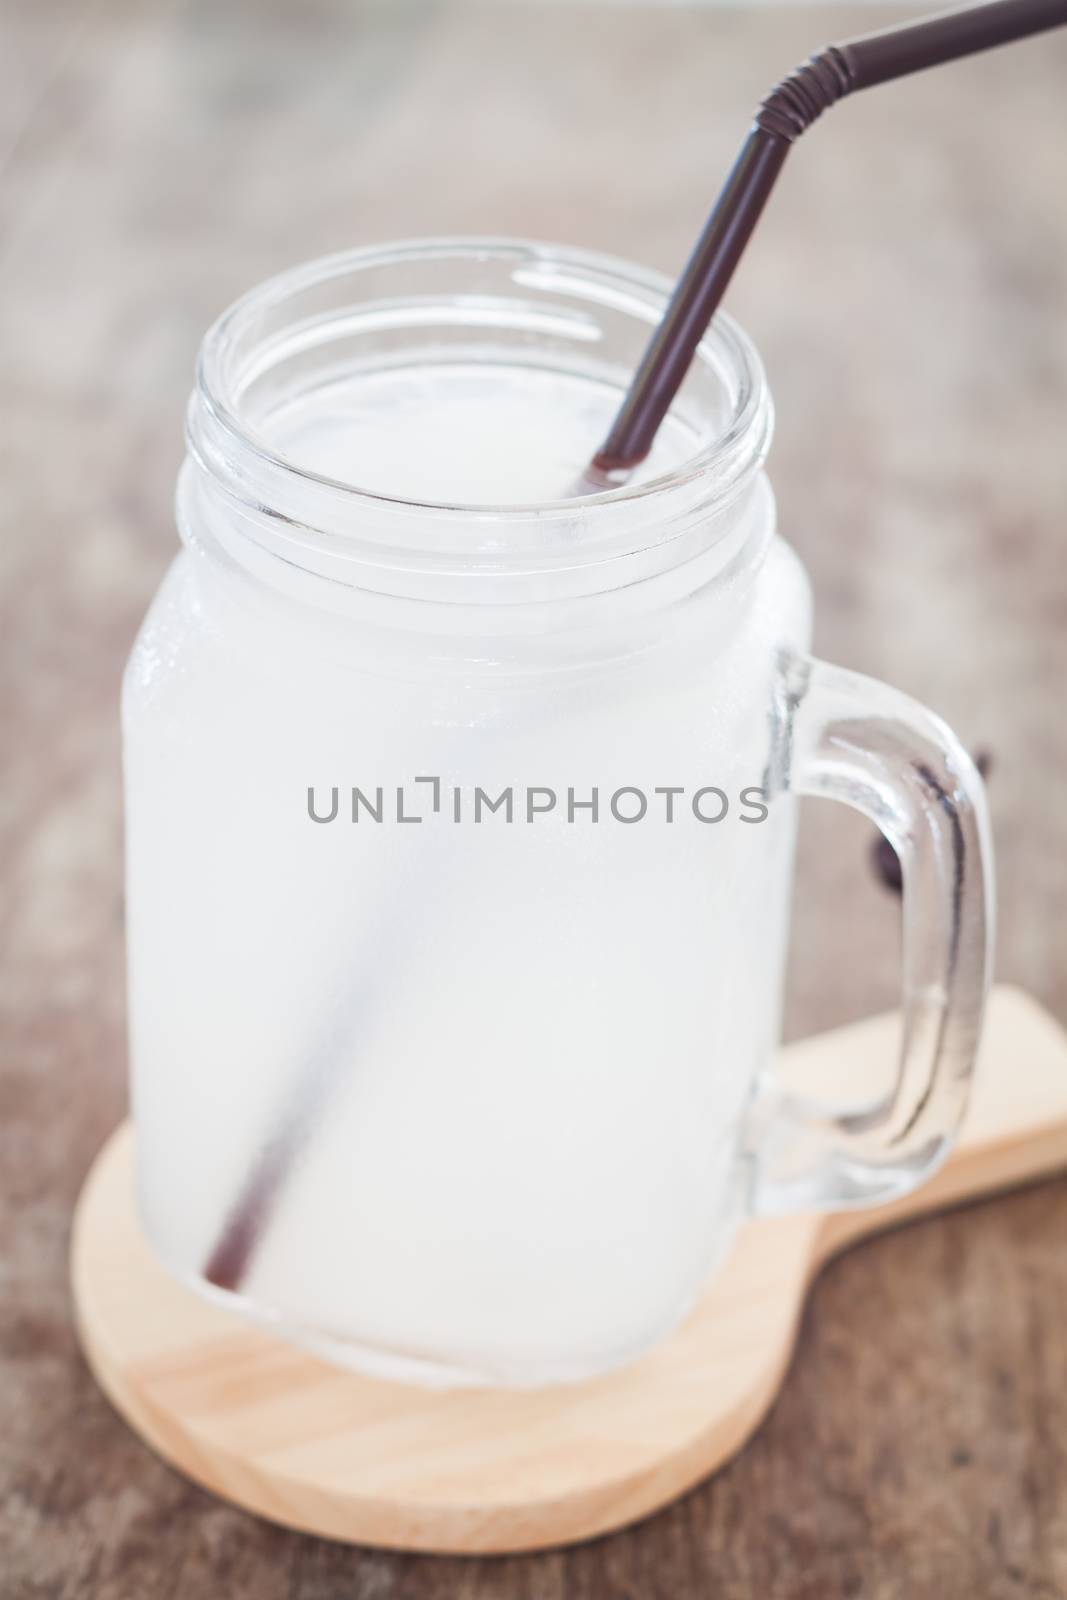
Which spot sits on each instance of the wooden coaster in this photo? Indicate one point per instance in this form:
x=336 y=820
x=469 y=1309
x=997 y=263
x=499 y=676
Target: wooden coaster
x=303 y=1444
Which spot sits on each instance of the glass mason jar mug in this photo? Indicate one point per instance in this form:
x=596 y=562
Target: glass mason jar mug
x=460 y=822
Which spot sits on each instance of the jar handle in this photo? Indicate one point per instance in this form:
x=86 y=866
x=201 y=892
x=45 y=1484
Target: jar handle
x=849 y=738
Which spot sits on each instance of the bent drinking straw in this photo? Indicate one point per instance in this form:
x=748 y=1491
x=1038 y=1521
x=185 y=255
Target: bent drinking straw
x=790 y=108
x=783 y=116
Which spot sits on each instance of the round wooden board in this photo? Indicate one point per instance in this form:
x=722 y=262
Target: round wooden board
x=483 y=1470
x=296 y=1440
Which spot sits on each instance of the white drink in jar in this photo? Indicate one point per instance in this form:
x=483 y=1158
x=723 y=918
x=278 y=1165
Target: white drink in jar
x=489 y=1076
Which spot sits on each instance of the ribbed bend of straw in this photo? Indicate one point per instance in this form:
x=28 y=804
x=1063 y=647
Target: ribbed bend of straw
x=801 y=98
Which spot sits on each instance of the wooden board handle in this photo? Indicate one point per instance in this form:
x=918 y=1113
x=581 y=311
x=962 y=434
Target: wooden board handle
x=1015 y=1129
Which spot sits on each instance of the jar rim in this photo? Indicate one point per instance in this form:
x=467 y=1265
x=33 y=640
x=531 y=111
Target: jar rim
x=716 y=472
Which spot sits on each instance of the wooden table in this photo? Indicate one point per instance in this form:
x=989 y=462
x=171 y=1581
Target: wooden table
x=909 y=291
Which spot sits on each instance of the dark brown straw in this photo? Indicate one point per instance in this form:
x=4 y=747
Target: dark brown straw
x=788 y=110
x=294 y=1121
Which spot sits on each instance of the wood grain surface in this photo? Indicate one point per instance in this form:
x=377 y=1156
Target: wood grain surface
x=909 y=292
